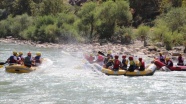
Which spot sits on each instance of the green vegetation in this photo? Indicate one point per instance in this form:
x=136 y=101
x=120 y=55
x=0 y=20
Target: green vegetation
x=111 y=20
x=170 y=28
x=142 y=33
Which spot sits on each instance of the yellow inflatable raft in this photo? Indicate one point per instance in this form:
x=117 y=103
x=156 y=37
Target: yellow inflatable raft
x=16 y=68
x=147 y=72
x=150 y=70
x=111 y=72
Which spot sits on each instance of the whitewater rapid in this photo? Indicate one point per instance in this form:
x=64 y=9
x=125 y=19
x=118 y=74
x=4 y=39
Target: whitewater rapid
x=66 y=78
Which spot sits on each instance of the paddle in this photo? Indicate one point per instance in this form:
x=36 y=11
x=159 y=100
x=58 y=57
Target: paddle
x=2 y=63
x=101 y=53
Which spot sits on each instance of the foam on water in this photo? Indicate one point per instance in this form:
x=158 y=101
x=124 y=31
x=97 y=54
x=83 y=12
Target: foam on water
x=67 y=78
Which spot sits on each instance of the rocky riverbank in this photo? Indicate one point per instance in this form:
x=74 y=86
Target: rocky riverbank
x=136 y=49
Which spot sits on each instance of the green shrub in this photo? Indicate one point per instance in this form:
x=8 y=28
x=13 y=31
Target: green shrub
x=5 y=27
x=14 y=26
x=29 y=33
x=143 y=33
x=168 y=40
x=44 y=20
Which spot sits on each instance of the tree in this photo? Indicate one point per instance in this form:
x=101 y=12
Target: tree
x=110 y=15
x=142 y=33
x=46 y=7
x=144 y=10
x=184 y=37
x=20 y=7
x=107 y=18
x=87 y=17
x=170 y=27
x=123 y=14
x=175 y=19
x=183 y=3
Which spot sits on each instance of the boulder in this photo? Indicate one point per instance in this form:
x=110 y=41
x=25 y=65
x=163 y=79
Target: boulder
x=95 y=44
x=127 y=53
x=178 y=48
x=152 y=48
x=137 y=49
x=165 y=53
x=174 y=57
x=175 y=53
x=159 y=44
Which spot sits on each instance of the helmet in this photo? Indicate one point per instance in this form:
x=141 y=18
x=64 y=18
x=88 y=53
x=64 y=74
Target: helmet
x=109 y=52
x=14 y=53
x=130 y=58
x=20 y=53
x=29 y=54
x=140 y=59
x=38 y=54
x=91 y=54
x=160 y=53
x=123 y=56
x=116 y=56
x=167 y=58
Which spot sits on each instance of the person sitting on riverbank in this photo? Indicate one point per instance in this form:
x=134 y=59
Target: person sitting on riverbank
x=28 y=61
x=13 y=59
x=141 y=65
x=132 y=64
x=20 y=58
x=37 y=59
x=124 y=62
x=116 y=63
x=180 y=60
x=169 y=62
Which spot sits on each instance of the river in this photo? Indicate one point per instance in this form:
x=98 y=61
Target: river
x=65 y=79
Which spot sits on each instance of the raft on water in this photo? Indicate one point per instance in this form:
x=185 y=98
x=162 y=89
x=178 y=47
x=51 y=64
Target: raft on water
x=150 y=70
x=17 y=68
x=159 y=64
